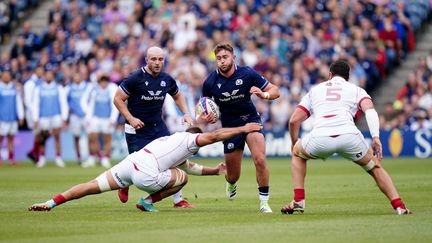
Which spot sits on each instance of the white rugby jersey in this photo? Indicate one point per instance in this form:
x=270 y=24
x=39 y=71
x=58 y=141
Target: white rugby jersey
x=334 y=104
x=170 y=151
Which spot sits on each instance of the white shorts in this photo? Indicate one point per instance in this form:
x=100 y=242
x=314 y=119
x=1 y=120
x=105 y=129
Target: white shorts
x=8 y=128
x=49 y=123
x=76 y=124
x=100 y=125
x=350 y=146
x=127 y=172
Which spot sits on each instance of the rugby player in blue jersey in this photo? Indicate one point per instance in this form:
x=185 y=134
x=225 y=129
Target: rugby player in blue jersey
x=231 y=87
x=145 y=90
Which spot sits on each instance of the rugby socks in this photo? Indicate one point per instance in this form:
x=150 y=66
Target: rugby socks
x=11 y=155
x=299 y=194
x=79 y=156
x=177 y=197
x=263 y=193
x=397 y=203
x=57 y=200
x=152 y=198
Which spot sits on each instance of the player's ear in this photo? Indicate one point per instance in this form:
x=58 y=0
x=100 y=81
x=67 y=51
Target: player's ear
x=330 y=75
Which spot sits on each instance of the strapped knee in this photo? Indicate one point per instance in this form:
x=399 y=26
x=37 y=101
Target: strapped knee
x=369 y=166
x=181 y=178
x=103 y=183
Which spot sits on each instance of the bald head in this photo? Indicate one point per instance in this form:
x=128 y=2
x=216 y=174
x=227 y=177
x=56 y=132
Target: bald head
x=154 y=51
x=155 y=60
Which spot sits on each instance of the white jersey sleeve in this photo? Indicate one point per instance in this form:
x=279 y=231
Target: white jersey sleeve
x=173 y=150
x=334 y=104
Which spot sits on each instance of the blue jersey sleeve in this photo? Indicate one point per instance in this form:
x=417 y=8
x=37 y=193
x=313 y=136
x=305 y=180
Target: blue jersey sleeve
x=128 y=85
x=173 y=90
x=257 y=79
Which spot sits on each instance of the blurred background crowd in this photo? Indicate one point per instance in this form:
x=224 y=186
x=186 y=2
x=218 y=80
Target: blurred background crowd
x=290 y=42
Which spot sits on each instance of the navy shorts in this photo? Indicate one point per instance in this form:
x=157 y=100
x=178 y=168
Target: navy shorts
x=239 y=141
x=146 y=135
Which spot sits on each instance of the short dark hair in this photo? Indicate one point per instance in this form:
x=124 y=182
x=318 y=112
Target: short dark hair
x=194 y=130
x=340 y=68
x=104 y=78
x=223 y=46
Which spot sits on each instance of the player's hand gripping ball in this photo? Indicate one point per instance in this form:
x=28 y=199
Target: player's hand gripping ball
x=207 y=105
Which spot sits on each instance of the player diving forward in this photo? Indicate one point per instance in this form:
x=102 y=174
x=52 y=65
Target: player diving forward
x=154 y=169
x=334 y=104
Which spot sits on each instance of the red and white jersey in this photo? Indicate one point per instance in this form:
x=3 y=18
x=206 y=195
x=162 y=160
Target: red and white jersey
x=168 y=151
x=334 y=104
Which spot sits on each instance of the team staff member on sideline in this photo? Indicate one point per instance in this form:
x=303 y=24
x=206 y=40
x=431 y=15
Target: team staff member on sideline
x=231 y=88
x=334 y=103
x=145 y=90
x=50 y=112
x=11 y=112
x=158 y=168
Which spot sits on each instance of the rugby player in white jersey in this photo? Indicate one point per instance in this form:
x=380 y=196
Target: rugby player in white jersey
x=334 y=104
x=159 y=168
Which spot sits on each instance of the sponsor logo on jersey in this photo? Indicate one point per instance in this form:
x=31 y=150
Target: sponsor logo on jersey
x=163 y=83
x=358 y=155
x=231 y=96
x=153 y=95
x=239 y=81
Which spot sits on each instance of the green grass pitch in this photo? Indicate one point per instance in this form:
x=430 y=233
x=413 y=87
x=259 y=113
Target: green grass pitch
x=342 y=205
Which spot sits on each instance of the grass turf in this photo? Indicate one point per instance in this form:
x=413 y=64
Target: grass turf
x=343 y=204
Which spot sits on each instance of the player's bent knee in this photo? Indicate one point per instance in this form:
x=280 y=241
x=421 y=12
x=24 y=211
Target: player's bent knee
x=103 y=183
x=181 y=177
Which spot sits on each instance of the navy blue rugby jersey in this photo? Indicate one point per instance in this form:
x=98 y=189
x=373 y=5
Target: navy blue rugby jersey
x=232 y=94
x=147 y=94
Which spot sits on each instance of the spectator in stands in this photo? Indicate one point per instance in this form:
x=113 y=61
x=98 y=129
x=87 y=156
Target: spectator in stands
x=421 y=121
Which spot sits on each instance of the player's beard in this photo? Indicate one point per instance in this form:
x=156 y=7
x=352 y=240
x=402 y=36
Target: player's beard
x=226 y=69
x=155 y=71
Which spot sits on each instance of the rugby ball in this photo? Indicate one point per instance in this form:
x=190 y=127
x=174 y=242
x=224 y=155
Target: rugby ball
x=207 y=105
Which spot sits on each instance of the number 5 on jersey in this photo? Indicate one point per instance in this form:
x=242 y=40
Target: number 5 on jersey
x=333 y=94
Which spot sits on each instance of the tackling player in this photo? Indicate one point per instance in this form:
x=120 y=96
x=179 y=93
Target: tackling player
x=11 y=112
x=158 y=168
x=334 y=103
x=145 y=90
x=231 y=87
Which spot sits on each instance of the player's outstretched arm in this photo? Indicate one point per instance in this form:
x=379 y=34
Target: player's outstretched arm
x=226 y=133
x=373 y=124
x=196 y=169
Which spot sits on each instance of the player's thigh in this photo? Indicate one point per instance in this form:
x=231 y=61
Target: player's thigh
x=122 y=173
x=153 y=182
x=94 y=125
x=45 y=123
x=353 y=147
x=56 y=122
x=105 y=126
x=8 y=128
x=316 y=147
x=76 y=125
x=256 y=143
